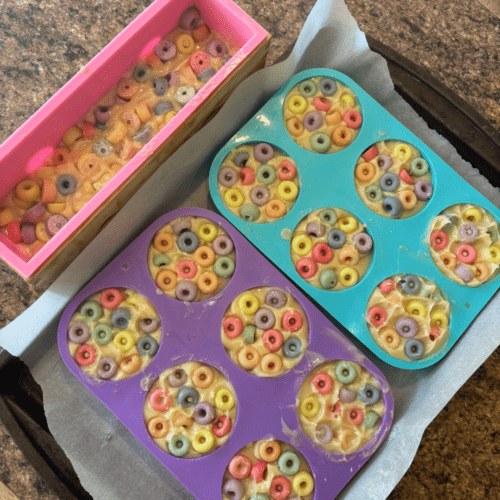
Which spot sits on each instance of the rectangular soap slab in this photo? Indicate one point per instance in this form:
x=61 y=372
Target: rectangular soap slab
x=328 y=181
x=26 y=148
x=192 y=331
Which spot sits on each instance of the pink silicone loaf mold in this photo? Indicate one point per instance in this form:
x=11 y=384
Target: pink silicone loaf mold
x=196 y=423
x=25 y=150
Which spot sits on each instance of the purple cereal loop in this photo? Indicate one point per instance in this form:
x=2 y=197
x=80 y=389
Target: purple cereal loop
x=315 y=229
x=217 y=48
x=407 y=327
x=222 y=245
x=313 y=120
x=106 y=368
x=227 y=176
x=263 y=152
x=384 y=162
x=324 y=433
x=468 y=231
x=204 y=413
x=165 y=50
x=423 y=190
x=177 y=378
x=35 y=213
x=264 y=319
x=79 y=332
x=276 y=299
x=189 y=18
x=173 y=78
x=363 y=242
x=186 y=291
x=102 y=114
x=181 y=226
x=234 y=489
x=463 y=272
x=259 y=195
x=54 y=224
x=148 y=325
x=347 y=396
x=28 y=233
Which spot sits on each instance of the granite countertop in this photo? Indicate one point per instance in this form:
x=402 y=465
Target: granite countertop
x=43 y=43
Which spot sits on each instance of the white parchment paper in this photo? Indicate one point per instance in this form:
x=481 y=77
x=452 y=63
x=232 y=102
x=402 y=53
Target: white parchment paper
x=111 y=463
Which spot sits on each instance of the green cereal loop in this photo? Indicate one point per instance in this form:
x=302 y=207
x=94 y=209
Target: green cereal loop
x=320 y=143
x=260 y=496
x=493 y=232
x=419 y=167
x=307 y=88
x=328 y=216
x=289 y=463
x=224 y=267
x=102 y=334
x=249 y=334
x=374 y=193
x=91 y=311
x=161 y=260
x=371 y=418
x=328 y=279
x=179 y=445
x=249 y=212
x=346 y=372
x=266 y=174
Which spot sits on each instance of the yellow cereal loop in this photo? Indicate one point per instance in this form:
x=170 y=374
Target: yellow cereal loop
x=248 y=303
x=71 y=136
x=169 y=116
x=6 y=216
x=117 y=133
x=348 y=99
x=297 y=104
x=45 y=172
x=224 y=399
x=142 y=111
x=207 y=232
x=288 y=190
x=348 y=224
x=493 y=253
x=473 y=215
x=416 y=308
x=403 y=151
x=348 y=276
x=310 y=407
x=203 y=441
x=27 y=190
x=131 y=300
x=439 y=318
x=124 y=341
x=303 y=483
x=234 y=198
x=56 y=208
x=185 y=44
x=302 y=244
x=41 y=232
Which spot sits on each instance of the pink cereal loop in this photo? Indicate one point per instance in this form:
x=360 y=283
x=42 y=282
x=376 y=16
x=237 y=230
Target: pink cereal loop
x=323 y=382
x=352 y=118
x=292 y=321
x=287 y=171
x=247 y=176
x=435 y=333
x=240 y=466
x=439 y=240
x=85 y=355
x=322 y=104
x=232 y=327
x=355 y=416
x=160 y=400
x=370 y=154
x=187 y=269
x=280 y=488
x=272 y=339
x=405 y=176
x=322 y=253
x=222 y=426
x=377 y=316
x=199 y=61
x=466 y=254
x=258 y=471
x=387 y=286
x=306 y=267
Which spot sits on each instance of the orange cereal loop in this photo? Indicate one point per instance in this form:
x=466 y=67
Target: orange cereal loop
x=164 y=242
x=203 y=377
x=208 y=282
x=131 y=120
x=341 y=135
x=333 y=117
x=127 y=88
x=71 y=136
x=204 y=256
x=275 y=209
x=408 y=199
x=294 y=126
x=390 y=338
x=127 y=150
x=180 y=419
x=49 y=191
x=201 y=33
x=117 y=132
x=248 y=357
x=166 y=279
x=347 y=439
x=153 y=61
x=60 y=156
x=131 y=364
x=271 y=363
x=348 y=255
x=449 y=260
x=482 y=271
x=89 y=164
x=41 y=232
x=6 y=216
x=143 y=112
x=365 y=172
x=158 y=427
x=270 y=451
x=28 y=190
x=185 y=44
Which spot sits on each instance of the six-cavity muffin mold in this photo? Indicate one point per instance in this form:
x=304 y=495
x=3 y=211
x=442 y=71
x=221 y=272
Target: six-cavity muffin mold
x=416 y=187
x=162 y=403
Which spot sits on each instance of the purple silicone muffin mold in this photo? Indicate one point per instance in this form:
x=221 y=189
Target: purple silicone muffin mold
x=266 y=406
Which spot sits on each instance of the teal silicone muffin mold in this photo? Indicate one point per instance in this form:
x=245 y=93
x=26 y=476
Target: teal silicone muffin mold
x=400 y=246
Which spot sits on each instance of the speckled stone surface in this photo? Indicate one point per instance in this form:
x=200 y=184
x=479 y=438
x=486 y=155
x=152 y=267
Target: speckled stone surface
x=43 y=43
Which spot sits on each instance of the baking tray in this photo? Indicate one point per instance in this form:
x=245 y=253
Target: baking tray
x=476 y=140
